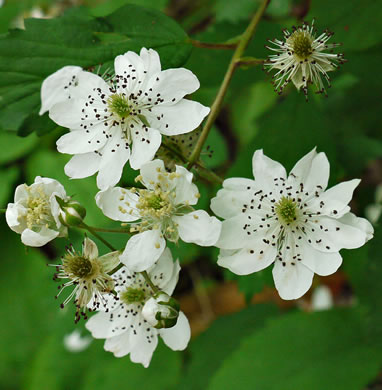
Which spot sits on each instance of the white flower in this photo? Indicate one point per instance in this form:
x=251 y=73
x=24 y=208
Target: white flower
x=164 y=210
x=136 y=106
x=301 y=57
x=373 y=211
x=322 y=298
x=88 y=273
x=124 y=327
x=73 y=342
x=35 y=212
x=290 y=221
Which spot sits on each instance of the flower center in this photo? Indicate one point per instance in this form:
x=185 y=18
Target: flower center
x=118 y=104
x=39 y=211
x=301 y=43
x=77 y=266
x=154 y=204
x=133 y=295
x=286 y=210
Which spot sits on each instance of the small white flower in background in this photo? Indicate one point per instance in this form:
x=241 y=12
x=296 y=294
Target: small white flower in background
x=290 y=221
x=302 y=59
x=121 y=119
x=35 y=212
x=73 y=342
x=88 y=273
x=125 y=327
x=163 y=211
x=374 y=211
x=322 y=298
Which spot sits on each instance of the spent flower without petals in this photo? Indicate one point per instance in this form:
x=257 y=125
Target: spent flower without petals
x=303 y=59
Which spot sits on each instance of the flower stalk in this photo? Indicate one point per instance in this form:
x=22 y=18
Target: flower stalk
x=217 y=104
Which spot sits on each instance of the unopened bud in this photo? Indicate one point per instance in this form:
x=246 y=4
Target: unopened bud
x=72 y=212
x=161 y=311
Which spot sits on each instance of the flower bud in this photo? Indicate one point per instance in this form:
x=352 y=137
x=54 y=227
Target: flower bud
x=161 y=311
x=72 y=212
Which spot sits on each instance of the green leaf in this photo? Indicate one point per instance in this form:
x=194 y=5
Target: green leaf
x=77 y=38
x=116 y=373
x=7 y=178
x=209 y=351
x=29 y=310
x=315 y=351
x=13 y=147
x=350 y=20
x=109 y=6
x=286 y=133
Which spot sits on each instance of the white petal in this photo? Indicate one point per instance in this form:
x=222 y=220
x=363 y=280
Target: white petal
x=50 y=186
x=266 y=170
x=321 y=263
x=21 y=193
x=301 y=170
x=164 y=271
x=110 y=260
x=238 y=184
x=143 y=250
x=88 y=84
x=31 y=238
x=181 y=118
x=198 y=227
x=118 y=204
x=104 y=325
x=178 y=336
x=233 y=235
x=89 y=249
x=322 y=298
x=318 y=175
x=115 y=154
x=250 y=259
x=227 y=203
x=119 y=345
x=55 y=88
x=173 y=84
x=150 y=172
x=79 y=141
x=130 y=64
x=14 y=217
x=292 y=281
x=362 y=224
x=151 y=60
x=146 y=142
x=143 y=345
x=337 y=198
x=172 y=282
x=82 y=165
x=186 y=191
x=330 y=235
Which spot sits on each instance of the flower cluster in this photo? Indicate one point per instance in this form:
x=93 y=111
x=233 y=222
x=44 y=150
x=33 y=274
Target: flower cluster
x=291 y=221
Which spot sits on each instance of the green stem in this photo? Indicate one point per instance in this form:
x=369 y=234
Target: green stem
x=149 y=282
x=144 y=274
x=205 y=173
x=95 y=234
x=249 y=61
x=217 y=104
x=213 y=45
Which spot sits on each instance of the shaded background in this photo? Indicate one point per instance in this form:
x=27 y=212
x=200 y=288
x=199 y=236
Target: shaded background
x=244 y=336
